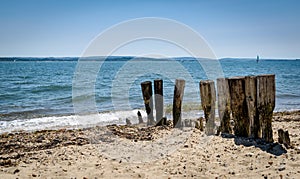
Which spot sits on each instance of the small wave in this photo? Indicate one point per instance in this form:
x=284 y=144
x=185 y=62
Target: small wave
x=4 y=97
x=70 y=121
x=49 y=88
x=23 y=82
x=25 y=114
x=81 y=121
x=82 y=97
x=284 y=95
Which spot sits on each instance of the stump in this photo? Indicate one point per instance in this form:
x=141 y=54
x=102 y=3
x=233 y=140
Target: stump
x=284 y=138
x=266 y=104
x=224 y=105
x=128 y=122
x=239 y=106
x=140 y=118
x=199 y=124
x=250 y=94
x=177 y=102
x=208 y=102
x=159 y=99
x=148 y=100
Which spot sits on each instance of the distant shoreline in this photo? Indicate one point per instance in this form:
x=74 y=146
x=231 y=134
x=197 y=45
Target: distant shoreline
x=122 y=58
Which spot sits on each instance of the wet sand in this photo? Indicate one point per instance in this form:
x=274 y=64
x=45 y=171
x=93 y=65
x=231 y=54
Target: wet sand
x=153 y=152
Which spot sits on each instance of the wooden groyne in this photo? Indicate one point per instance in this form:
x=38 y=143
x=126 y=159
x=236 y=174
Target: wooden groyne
x=248 y=101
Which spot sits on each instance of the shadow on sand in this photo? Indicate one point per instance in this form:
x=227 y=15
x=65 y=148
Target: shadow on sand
x=272 y=148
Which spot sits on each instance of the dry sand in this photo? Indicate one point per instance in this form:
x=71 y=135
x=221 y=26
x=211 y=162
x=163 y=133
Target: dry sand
x=149 y=153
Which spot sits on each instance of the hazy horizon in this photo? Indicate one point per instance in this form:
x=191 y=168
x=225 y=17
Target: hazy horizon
x=122 y=56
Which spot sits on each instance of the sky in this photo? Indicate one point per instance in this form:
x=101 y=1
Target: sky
x=232 y=28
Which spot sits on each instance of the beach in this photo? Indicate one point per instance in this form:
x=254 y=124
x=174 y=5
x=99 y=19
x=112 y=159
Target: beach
x=75 y=154
x=149 y=89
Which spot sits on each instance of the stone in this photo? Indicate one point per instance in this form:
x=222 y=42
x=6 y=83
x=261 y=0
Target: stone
x=281 y=167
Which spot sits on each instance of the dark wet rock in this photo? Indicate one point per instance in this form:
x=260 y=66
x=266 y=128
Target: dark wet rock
x=161 y=122
x=16 y=171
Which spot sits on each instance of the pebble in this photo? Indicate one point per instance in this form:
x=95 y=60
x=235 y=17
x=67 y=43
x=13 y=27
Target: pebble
x=249 y=154
x=281 y=168
x=16 y=171
x=231 y=172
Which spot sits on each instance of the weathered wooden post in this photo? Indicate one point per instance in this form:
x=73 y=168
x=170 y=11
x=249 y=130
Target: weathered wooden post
x=239 y=106
x=250 y=94
x=224 y=105
x=140 y=118
x=177 y=101
x=148 y=100
x=266 y=104
x=208 y=102
x=284 y=138
x=159 y=99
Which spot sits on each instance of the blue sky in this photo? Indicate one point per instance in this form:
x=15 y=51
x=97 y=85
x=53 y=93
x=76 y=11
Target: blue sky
x=232 y=28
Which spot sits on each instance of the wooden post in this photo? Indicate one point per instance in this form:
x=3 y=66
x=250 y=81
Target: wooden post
x=128 y=122
x=159 y=99
x=250 y=94
x=208 y=102
x=266 y=104
x=140 y=118
x=224 y=105
x=177 y=101
x=284 y=138
x=148 y=100
x=239 y=106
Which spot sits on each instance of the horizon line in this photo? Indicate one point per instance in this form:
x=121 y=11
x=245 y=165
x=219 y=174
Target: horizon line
x=264 y=58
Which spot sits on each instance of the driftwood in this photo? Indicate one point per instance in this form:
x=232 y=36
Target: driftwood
x=148 y=100
x=177 y=101
x=224 y=105
x=208 y=102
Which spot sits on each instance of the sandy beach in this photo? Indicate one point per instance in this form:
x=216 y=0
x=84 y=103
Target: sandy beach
x=139 y=152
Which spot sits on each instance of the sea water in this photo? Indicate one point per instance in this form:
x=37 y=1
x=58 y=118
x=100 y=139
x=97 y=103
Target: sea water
x=38 y=93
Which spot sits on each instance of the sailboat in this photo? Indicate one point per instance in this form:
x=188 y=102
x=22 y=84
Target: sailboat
x=257 y=59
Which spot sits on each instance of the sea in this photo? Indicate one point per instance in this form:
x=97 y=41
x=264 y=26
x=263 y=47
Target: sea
x=72 y=92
